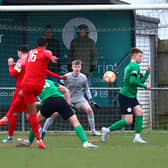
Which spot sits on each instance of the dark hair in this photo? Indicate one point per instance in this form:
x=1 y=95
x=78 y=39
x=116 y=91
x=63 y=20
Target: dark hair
x=77 y=62
x=135 y=51
x=48 y=28
x=42 y=41
x=23 y=48
x=83 y=28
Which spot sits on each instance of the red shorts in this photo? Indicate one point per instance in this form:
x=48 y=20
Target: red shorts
x=14 y=95
x=30 y=93
x=22 y=107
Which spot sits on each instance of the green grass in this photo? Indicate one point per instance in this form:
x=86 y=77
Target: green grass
x=67 y=152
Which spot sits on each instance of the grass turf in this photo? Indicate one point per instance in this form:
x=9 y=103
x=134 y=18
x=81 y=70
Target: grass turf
x=66 y=151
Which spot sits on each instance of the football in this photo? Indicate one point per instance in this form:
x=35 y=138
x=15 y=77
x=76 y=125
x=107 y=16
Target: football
x=109 y=77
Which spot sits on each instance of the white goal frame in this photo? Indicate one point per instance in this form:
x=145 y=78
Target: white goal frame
x=24 y=8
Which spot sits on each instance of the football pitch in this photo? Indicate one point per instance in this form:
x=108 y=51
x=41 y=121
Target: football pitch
x=67 y=152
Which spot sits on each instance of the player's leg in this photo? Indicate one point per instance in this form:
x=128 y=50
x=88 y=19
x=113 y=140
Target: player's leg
x=11 y=128
x=127 y=112
x=31 y=136
x=80 y=131
x=90 y=116
x=30 y=99
x=19 y=101
x=138 y=124
x=118 y=125
x=49 y=121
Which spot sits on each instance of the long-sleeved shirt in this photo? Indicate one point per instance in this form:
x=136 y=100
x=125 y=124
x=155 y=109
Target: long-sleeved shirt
x=77 y=86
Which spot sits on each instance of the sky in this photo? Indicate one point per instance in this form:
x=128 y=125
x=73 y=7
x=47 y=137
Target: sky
x=160 y=14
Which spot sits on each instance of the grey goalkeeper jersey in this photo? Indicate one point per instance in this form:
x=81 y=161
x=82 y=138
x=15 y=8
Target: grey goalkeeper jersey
x=77 y=86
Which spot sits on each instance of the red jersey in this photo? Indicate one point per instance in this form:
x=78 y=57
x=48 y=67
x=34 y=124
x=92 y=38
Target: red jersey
x=36 y=66
x=18 y=71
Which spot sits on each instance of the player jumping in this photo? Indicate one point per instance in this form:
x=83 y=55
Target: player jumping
x=32 y=84
x=53 y=101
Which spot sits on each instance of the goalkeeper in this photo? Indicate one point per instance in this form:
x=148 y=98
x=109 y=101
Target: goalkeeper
x=53 y=101
x=127 y=97
x=77 y=82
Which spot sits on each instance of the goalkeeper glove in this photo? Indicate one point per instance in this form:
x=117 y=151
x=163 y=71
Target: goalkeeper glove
x=94 y=104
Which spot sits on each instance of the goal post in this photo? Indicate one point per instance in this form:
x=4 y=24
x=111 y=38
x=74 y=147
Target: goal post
x=115 y=29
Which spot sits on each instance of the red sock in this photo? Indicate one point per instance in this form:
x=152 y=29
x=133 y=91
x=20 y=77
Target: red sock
x=34 y=125
x=15 y=107
x=12 y=125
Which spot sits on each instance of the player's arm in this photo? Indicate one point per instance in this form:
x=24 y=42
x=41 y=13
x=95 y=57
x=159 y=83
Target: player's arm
x=65 y=92
x=49 y=73
x=48 y=55
x=14 y=70
x=144 y=77
x=89 y=95
x=87 y=90
x=134 y=80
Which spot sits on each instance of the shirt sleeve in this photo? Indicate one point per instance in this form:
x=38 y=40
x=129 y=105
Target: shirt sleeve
x=87 y=90
x=49 y=73
x=135 y=81
x=144 y=78
x=56 y=84
x=48 y=54
x=12 y=71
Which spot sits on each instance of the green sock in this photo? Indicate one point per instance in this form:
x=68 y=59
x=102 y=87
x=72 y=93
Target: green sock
x=31 y=136
x=81 y=133
x=118 y=125
x=138 y=124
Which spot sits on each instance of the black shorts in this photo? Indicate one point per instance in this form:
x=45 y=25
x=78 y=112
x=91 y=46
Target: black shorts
x=56 y=104
x=127 y=104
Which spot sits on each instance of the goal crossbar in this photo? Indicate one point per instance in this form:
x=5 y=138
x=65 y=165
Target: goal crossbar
x=24 y=8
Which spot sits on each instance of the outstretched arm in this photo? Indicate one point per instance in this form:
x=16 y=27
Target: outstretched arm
x=49 y=73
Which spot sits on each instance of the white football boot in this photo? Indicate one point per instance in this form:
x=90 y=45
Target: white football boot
x=105 y=133
x=88 y=145
x=138 y=139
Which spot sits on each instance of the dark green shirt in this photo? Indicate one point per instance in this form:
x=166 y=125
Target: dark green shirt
x=50 y=90
x=132 y=80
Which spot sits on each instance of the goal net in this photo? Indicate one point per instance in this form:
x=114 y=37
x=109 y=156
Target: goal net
x=114 y=29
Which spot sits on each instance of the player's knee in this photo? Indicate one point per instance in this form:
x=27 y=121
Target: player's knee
x=15 y=114
x=129 y=121
x=89 y=111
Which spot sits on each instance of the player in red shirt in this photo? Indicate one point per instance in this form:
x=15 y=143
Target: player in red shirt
x=16 y=70
x=33 y=82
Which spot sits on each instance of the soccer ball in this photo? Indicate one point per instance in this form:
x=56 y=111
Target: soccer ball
x=109 y=77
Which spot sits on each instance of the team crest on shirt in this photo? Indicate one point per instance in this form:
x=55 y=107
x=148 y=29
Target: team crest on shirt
x=129 y=109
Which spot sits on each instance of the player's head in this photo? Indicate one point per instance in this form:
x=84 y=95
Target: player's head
x=42 y=42
x=48 y=32
x=136 y=55
x=82 y=30
x=22 y=50
x=76 y=66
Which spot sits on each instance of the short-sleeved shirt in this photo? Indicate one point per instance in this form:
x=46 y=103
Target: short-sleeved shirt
x=50 y=90
x=36 y=66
